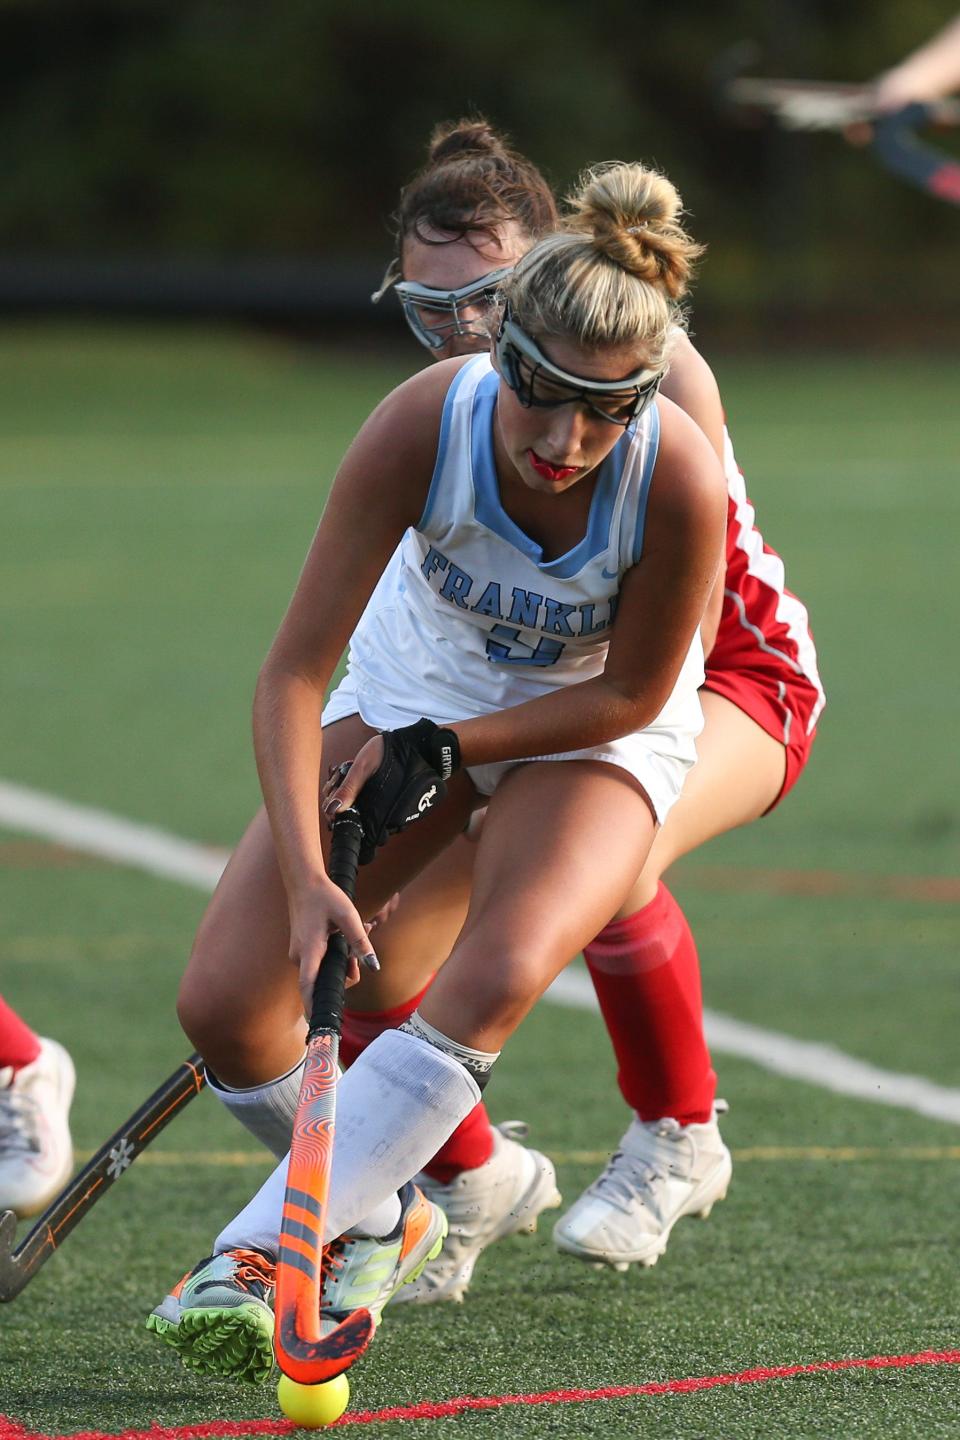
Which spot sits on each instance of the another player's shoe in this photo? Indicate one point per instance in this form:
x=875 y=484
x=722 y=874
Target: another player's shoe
x=219 y=1317
x=360 y=1271
x=36 y=1152
x=661 y=1172
x=502 y=1197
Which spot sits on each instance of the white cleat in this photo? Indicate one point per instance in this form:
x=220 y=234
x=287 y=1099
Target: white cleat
x=502 y=1197
x=36 y=1152
x=661 y=1172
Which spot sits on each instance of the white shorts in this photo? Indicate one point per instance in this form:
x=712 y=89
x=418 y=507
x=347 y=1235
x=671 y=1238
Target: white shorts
x=659 y=758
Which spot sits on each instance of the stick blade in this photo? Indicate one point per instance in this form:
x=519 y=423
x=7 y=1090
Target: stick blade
x=11 y=1278
x=315 y=1362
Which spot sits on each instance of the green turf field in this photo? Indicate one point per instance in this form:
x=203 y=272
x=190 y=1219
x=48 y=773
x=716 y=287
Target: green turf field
x=159 y=489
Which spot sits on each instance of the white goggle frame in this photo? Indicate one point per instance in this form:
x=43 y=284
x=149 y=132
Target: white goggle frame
x=446 y=303
x=513 y=344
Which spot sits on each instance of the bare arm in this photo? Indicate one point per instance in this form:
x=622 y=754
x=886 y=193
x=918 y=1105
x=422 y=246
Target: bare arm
x=928 y=73
x=379 y=490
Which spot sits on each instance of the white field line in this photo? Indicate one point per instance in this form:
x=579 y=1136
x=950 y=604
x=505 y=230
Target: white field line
x=805 y=1060
x=97 y=832
x=143 y=847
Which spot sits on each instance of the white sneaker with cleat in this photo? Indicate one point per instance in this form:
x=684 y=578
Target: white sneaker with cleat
x=661 y=1172
x=36 y=1152
x=502 y=1197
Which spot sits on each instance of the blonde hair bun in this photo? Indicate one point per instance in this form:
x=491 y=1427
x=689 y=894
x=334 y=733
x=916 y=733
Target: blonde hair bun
x=632 y=215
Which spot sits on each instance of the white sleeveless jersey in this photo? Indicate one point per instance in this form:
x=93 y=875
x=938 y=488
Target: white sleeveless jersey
x=468 y=617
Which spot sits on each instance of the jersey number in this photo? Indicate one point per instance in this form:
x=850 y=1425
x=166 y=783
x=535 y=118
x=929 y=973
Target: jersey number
x=509 y=649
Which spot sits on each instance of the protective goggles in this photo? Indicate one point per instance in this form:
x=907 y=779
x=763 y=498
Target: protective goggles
x=537 y=382
x=438 y=316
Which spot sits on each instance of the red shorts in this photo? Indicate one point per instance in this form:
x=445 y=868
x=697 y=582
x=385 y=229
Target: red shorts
x=780 y=702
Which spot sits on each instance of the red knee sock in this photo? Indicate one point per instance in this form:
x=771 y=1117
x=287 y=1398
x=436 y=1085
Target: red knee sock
x=647 y=978
x=472 y=1142
x=19 y=1046
x=361 y=1027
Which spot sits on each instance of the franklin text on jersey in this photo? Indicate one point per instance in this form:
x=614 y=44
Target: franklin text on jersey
x=469 y=610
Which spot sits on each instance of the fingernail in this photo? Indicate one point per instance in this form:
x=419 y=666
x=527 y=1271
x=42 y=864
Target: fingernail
x=332 y=806
x=370 y=961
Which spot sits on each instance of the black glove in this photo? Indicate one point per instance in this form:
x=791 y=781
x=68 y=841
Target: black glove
x=409 y=782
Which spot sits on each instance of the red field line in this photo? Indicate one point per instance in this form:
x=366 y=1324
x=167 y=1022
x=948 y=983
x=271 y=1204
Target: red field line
x=445 y=1409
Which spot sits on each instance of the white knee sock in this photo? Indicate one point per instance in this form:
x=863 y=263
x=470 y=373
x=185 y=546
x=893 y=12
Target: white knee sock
x=396 y=1105
x=267 y=1111
x=257 y=1226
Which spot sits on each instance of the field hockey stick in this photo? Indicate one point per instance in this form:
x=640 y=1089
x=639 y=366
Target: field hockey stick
x=303 y=1353
x=819 y=104
x=896 y=146
x=113 y=1159
x=824 y=105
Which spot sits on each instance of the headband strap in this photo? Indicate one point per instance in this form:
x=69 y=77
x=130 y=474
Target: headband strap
x=411 y=291
x=511 y=334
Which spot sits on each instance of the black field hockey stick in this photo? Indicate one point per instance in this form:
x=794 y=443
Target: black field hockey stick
x=113 y=1159
x=303 y=1353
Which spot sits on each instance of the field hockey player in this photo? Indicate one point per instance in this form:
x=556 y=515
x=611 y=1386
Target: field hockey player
x=540 y=537
x=462 y=224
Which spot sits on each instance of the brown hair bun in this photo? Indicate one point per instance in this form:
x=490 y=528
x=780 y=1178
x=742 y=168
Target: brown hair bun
x=472 y=182
x=470 y=136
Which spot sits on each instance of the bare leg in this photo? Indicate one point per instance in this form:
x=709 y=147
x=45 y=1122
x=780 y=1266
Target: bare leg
x=646 y=972
x=416 y=939
x=653 y=1009
x=548 y=824
x=560 y=845
x=238 y=1000
x=738 y=775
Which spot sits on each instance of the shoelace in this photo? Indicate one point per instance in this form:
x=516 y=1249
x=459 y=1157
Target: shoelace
x=627 y=1175
x=19 y=1123
x=333 y=1260
x=332 y=1268
x=254 y=1269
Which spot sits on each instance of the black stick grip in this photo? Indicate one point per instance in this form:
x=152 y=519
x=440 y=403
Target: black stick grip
x=326 y=1012
x=345 y=850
